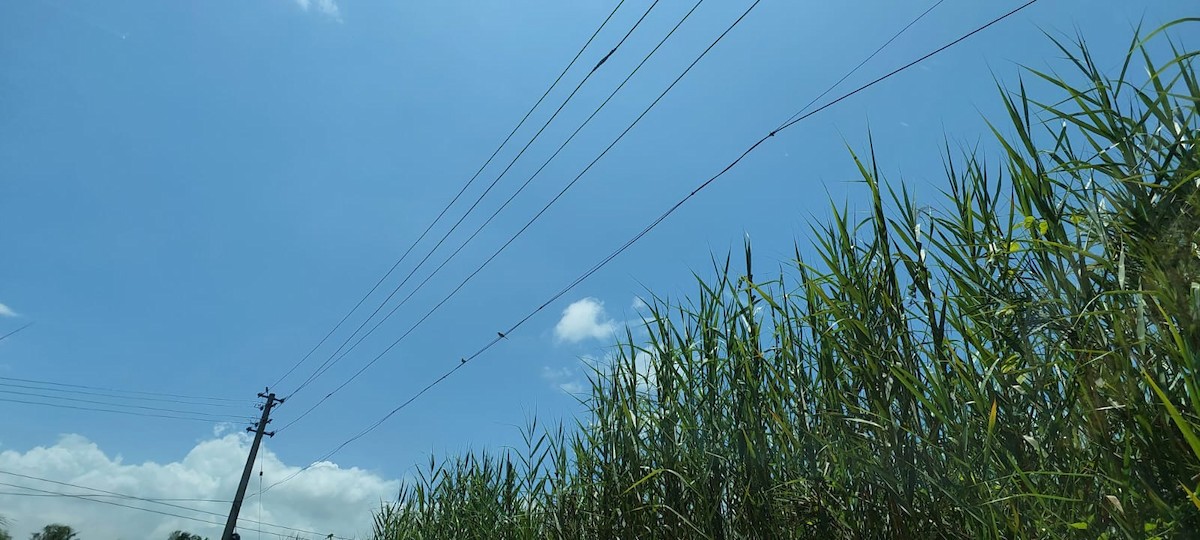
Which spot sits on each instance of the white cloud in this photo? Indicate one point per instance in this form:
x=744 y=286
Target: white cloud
x=643 y=313
x=6 y=311
x=584 y=319
x=644 y=364
x=643 y=367
x=564 y=379
x=324 y=499
x=326 y=7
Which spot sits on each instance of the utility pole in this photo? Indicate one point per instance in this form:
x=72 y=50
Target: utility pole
x=259 y=430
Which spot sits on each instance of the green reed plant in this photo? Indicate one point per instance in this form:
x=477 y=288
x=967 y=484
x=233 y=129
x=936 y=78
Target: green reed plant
x=1017 y=363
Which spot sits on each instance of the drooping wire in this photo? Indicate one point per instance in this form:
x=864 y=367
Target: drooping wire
x=864 y=61
x=501 y=335
x=14 y=493
x=115 y=411
x=459 y=194
x=532 y=220
x=102 y=496
x=528 y=181
x=324 y=366
x=87 y=497
x=10 y=334
x=109 y=493
x=136 y=392
x=106 y=493
x=260 y=482
x=70 y=391
x=225 y=417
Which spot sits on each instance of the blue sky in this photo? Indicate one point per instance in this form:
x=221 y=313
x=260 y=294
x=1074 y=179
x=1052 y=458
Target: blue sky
x=192 y=194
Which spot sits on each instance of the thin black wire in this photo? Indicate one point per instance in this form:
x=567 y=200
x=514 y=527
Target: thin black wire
x=646 y=230
x=118 y=396
x=480 y=228
x=115 y=494
x=564 y=144
x=260 y=482
x=85 y=387
x=89 y=497
x=863 y=62
x=457 y=196
x=138 y=407
x=536 y=173
x=10 y=334
x=101 y=495
x=115 y=411
x=330 y=361
x=534 y=219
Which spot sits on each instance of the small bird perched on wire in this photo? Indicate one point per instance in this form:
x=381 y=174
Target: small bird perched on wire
x=501 y=334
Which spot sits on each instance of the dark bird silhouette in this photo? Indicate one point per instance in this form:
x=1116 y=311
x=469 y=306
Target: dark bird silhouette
x=501 y=334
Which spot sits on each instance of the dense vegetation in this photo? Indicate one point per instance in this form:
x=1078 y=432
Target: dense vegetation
x=1020 y=362
x=57 y=531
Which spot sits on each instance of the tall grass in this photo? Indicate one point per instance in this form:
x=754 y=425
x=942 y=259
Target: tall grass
x=1020 y=362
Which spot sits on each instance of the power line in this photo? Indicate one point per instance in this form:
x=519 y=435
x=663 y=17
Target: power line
x=260 y=503
x=137 y=392
x=118 y=396
x=96 y=499
x=98 y=495
x=647 y=229
x=864 y=61
x=459 y=194
x=580 y=128
x=115 y=411
x=102 y=492
x=86 y=497
x=539 y=214
x=10 y=334
x=536 y=173
x=139 y=407
x=323 y=367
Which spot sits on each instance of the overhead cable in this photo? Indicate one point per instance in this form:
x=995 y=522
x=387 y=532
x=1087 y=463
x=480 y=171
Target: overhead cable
x=114 y=411
x=106 y=493
x=532 y=220
x=137 y=392
x=604 y=261
x=520 y=189
x=323 y=367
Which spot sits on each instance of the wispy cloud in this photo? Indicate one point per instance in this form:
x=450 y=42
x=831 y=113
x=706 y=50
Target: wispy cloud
x=566 y=379
x=325 y=7
x=644 y=315
x=6 y=311
x=584 y=319
x=644 y=369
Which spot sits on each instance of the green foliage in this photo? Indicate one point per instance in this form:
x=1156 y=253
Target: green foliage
x=184 y=535
x=1018 y=364
x=55 y=532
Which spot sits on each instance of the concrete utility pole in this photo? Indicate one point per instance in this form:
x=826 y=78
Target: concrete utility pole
x=259 y=430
